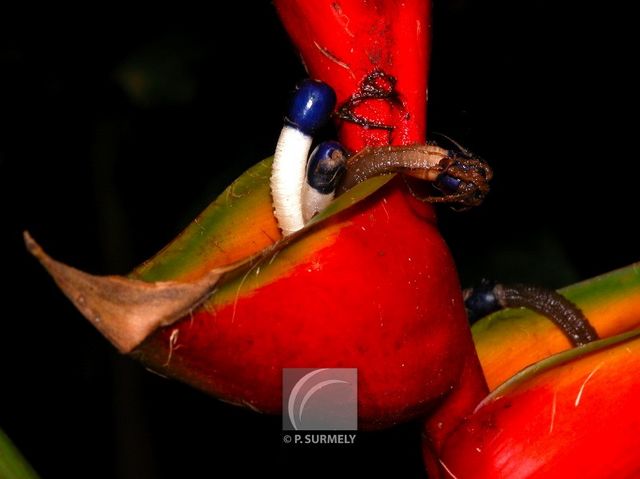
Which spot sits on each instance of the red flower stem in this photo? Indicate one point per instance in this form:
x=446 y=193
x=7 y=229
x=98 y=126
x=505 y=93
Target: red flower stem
x=375 y=54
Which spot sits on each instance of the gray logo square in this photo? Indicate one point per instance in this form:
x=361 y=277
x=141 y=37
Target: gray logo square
x=323 y=399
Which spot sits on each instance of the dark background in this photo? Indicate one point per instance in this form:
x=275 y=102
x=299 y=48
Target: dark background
x=108 y=148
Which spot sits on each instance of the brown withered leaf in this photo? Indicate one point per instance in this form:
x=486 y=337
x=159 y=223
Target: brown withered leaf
x=125 y=310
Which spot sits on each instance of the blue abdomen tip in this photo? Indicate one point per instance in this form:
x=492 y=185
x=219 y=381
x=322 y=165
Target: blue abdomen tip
x=311 y=104
x=448 y=184
x=326 y=166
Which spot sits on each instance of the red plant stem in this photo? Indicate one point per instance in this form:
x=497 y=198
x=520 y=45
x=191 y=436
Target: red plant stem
x=344 y=41
x=457 y=406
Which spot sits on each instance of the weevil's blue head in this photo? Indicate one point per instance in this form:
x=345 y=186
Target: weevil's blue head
x=481 y=300
x=311 y=104
x=326 y=166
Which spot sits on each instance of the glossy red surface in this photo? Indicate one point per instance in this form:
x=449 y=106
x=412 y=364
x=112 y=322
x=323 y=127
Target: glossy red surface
x=577 y=420
x=383 y=297
x=343 y=41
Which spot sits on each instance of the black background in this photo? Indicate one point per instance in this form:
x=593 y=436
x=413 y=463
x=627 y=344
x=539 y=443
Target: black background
x=108 y=148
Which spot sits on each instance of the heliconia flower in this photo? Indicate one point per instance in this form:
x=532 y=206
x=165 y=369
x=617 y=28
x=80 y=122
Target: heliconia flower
x=253 y=286
x=574 y=414
x=510 y=433
x=368 y=283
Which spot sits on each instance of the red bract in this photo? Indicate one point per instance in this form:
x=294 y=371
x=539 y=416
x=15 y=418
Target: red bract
x=572 y=415
x=370 y=286
x=346 y=295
